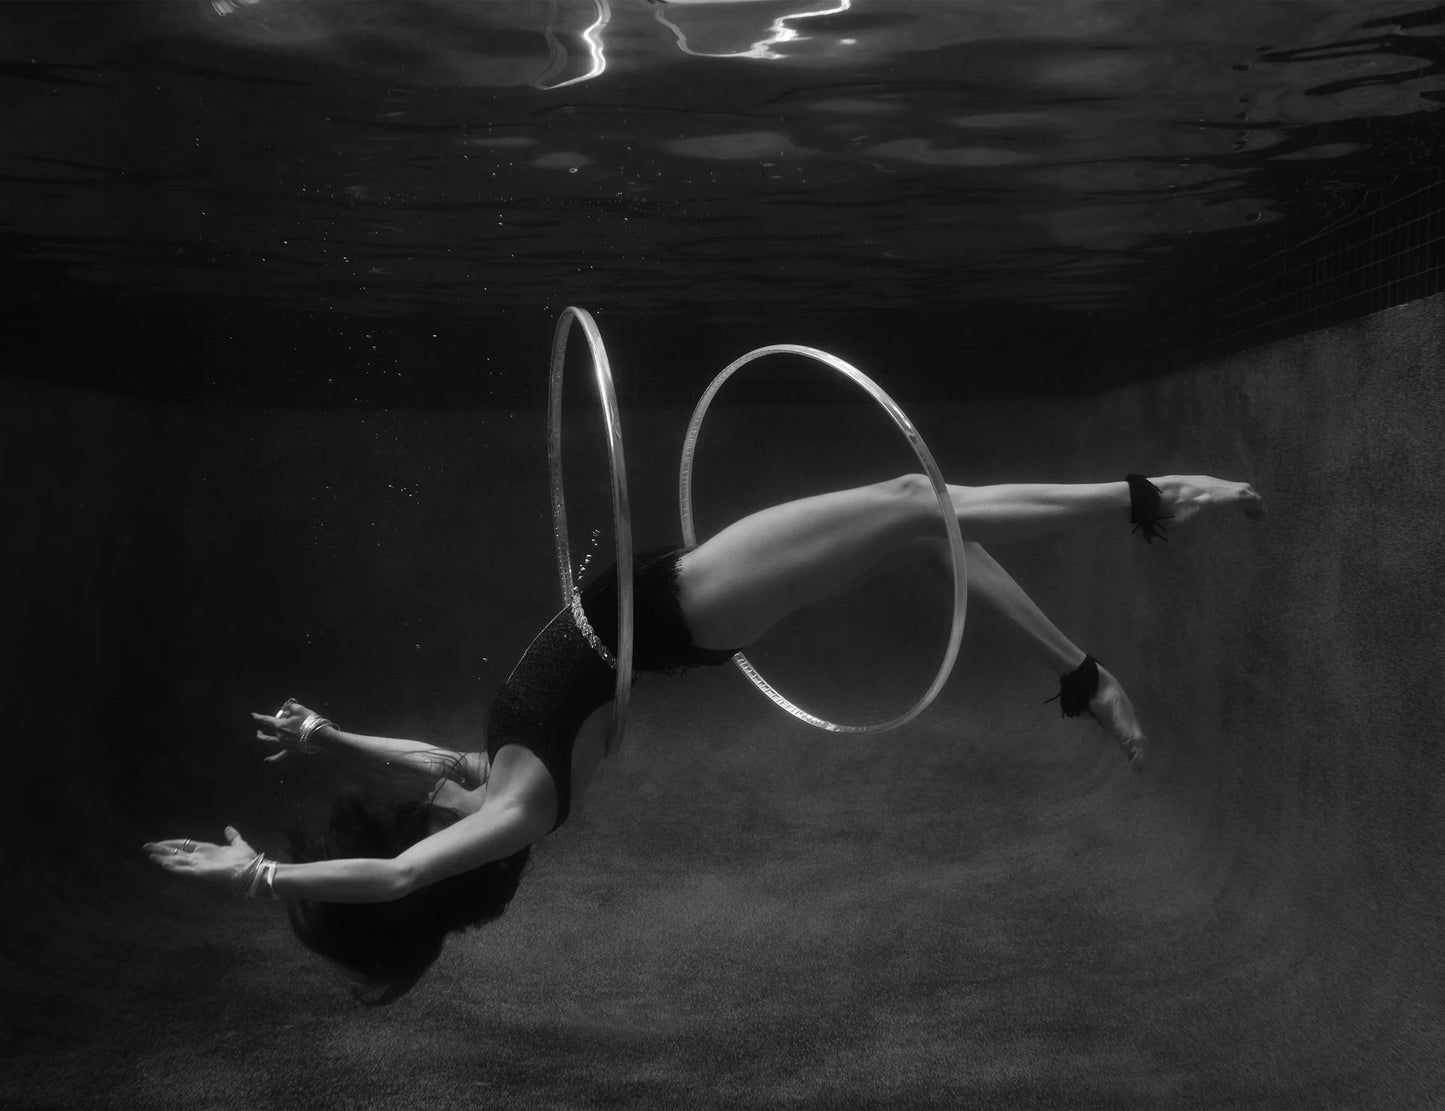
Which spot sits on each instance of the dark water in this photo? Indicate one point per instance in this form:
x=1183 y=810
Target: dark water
x=350 y=202
x=281 y=279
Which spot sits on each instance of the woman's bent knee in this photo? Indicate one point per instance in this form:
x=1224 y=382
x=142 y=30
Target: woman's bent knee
x=924 y=511
x=912 y=487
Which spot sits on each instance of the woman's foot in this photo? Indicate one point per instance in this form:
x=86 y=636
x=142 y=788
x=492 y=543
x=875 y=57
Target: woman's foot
x=1182 y=496
x=1115 y=714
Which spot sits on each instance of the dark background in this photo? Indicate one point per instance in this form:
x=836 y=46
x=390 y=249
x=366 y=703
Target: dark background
x=984 y=908
x=373 y=204
x=237 y=469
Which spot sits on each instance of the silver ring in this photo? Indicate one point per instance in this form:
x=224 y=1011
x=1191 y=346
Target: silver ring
x=186 y=845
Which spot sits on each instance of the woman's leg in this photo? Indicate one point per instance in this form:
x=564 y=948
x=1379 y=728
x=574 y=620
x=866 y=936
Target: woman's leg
x=760 y=569
x=989 y=582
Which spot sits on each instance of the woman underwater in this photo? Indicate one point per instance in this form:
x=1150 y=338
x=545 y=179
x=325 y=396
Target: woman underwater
x=381 y=891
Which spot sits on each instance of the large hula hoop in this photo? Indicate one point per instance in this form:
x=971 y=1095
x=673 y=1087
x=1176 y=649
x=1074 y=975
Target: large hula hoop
x=621 y=510
x=940 y=490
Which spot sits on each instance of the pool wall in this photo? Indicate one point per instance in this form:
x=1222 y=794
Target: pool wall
x=171 y=568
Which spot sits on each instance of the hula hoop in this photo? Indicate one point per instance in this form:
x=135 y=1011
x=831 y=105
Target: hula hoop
x=940 y=490
x=621 y=510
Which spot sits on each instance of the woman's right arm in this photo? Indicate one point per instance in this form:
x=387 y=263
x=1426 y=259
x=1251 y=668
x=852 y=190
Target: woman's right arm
x=427 y=760
x=356 y=880
x=501 y=828
x=492 y=833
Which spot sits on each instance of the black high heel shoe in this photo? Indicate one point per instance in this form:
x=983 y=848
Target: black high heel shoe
x=1145 y=501
x=1077 y=687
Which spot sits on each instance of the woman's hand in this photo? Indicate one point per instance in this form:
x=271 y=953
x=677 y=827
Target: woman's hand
x=282 y=729
x=203 y=861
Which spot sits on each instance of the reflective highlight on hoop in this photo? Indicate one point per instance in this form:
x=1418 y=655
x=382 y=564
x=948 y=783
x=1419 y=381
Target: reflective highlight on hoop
x=621 y=509
x=940 y=490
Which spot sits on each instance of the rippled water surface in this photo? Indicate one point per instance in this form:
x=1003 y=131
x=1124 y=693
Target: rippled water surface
x=1032 y=162
x=306 y=258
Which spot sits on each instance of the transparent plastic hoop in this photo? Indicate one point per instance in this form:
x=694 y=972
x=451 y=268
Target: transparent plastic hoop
x=621 y=509
x=940 y=490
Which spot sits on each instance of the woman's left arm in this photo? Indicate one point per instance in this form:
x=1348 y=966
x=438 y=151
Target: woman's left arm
x=495 y=832
x=355 y=880
x=283 y=731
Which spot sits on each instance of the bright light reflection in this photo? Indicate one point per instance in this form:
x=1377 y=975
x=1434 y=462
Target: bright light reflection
x=780 y=32
x=592 y=37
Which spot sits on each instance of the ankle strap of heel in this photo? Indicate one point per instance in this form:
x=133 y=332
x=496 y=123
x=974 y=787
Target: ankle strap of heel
x=1077 y=687
x=1144 y=504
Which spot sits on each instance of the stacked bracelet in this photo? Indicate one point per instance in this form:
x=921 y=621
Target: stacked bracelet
x=308 y=730
x=260 y=871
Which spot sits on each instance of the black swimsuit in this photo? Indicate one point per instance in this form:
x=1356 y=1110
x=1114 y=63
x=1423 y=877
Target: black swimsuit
x=561 y=679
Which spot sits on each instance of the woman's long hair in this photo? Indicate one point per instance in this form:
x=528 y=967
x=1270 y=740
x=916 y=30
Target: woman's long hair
x=389 y=946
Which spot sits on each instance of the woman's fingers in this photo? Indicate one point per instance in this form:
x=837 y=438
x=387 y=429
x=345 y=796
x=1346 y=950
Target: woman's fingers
x=176 y=854
x=276 y=726
x=173 y=845
x=233 y=835
x=272 y=739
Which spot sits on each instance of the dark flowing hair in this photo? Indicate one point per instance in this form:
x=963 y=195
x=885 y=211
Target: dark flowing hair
x=389 y=946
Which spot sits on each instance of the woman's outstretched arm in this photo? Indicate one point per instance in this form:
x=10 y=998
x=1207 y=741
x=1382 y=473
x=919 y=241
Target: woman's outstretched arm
x=416 y=755
x=502 y=828
x=352 y=880
x=358 y=880
x=495 y=832
x=283 y=730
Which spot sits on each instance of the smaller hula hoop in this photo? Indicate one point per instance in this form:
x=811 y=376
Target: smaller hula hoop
x=940 y=490
x=621 y=509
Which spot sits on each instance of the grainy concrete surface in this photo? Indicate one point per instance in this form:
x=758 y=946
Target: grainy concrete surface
x=984 y=909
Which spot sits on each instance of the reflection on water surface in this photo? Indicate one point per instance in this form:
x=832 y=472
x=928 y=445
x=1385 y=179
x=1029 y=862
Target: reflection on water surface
x=727 y=161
